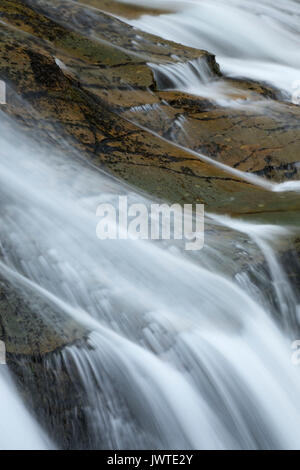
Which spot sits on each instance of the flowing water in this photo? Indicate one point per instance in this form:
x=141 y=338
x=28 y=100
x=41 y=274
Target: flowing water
x=185 y=350
x=256 y=39
x=17 y=429
x=177 y=342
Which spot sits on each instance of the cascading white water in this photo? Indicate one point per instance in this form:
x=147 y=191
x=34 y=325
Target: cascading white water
x=176 y=346
x=257 y=39
x=196 y=77
x=17 y=429
x=181 y=73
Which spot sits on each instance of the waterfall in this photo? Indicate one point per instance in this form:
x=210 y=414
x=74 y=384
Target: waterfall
x=173 y=76
x=196 y=77
x=256 y=39
x=181 y=350
x=17 y=428
x=176 y=343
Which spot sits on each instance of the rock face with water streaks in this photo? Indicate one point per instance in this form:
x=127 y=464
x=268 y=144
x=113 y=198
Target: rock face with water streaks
x=91 y=85
x=31 y=327
x=80 y=98
x=107 y=56
x=265 y=142
x=88 y=80
x=35 y=332
x=126 y=10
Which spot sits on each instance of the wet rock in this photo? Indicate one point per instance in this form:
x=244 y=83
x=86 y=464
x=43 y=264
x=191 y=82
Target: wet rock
x=50 y=394
x=89 y=84
x=264 y=141
x=107 y=30
x=30 y=326
x=58 y=107
x=107 y=56
x=35 y=333
x=125 y=10
x=79 y=99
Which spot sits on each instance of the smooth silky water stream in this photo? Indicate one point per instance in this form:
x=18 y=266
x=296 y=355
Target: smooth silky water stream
x=185 y=350
x=18 y=430
x=180 y=354
x=256 y=39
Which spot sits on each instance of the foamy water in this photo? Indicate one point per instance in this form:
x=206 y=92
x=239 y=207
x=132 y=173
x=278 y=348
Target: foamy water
x=185 y=350
x=251 y=38
x=181 y=339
